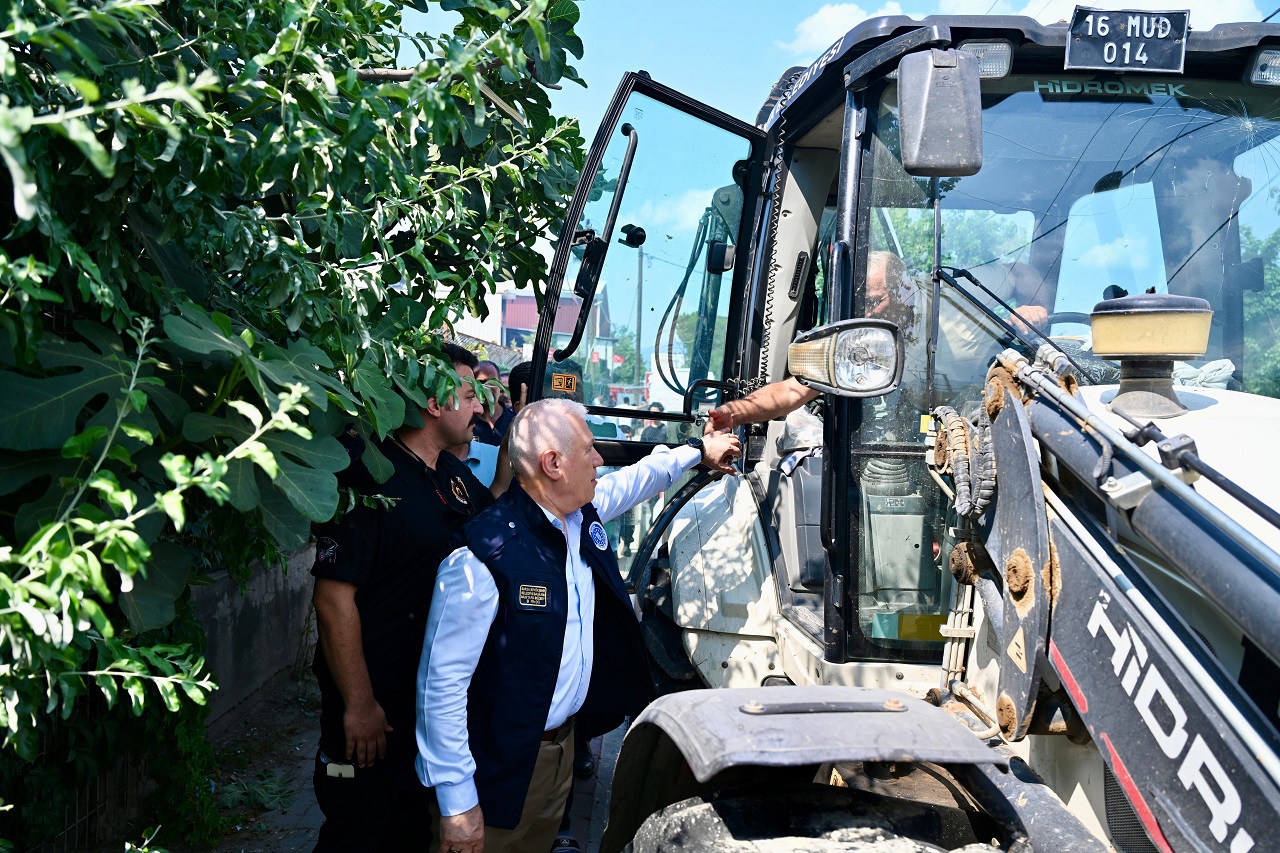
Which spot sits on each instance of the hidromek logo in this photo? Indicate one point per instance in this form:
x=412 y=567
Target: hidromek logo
x=1109 y=87
x=1161 y=709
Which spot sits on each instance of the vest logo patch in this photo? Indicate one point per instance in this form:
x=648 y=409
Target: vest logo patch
x=598 y=535
x=532 y=595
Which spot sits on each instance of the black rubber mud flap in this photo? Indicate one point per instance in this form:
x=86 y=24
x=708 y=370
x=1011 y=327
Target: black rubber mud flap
x=668 y=662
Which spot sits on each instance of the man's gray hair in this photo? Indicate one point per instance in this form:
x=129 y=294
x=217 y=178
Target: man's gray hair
x=538 y=427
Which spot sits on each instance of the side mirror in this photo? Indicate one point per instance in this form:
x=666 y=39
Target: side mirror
x=851 y=358
x=720 y=256
x=940 y=113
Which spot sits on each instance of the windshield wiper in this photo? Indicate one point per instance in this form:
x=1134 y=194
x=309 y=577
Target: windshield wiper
x=942 y=274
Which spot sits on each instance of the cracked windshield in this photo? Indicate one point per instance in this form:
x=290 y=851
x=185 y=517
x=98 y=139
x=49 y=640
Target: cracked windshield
x=1089 y=190
x=1094 y=189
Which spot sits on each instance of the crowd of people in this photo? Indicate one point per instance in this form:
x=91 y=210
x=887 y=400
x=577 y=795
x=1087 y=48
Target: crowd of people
x=468 y=633
x=474 y=627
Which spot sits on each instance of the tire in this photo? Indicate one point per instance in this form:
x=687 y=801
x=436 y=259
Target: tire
x=817 y=819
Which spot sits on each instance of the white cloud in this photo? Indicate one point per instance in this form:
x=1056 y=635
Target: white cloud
x=677 y=216
x=1204 y=13
x=1132 y=253
x=821 y=29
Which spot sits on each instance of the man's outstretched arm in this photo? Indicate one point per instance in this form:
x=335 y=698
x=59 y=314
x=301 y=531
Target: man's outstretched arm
x=763 y=404
x=621 y=490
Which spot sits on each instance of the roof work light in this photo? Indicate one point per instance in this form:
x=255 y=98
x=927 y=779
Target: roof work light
x=995 y=58
x=1266 y=68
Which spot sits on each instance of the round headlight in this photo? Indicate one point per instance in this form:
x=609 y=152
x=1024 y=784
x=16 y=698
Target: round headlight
x=865 y=359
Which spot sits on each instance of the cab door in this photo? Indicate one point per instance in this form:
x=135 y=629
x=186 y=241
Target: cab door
x=645 y=286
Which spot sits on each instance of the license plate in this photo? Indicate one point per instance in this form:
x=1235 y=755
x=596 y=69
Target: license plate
x=1127 y=40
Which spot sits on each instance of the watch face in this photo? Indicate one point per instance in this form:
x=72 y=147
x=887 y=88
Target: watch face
x=694 y=442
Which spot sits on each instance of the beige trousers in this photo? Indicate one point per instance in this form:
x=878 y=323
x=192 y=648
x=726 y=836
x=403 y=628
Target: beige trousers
x=543 y=806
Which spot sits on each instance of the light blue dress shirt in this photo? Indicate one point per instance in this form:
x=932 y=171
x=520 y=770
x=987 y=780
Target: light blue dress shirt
x=463 y=607
x=482 y=459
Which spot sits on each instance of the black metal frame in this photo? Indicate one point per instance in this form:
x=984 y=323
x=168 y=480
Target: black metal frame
x=842 y=527
x=641 y=83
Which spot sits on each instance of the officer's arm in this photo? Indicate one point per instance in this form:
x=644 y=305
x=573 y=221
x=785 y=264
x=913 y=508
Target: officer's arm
x=338 y=620
x=502 y=469
x=764 y=404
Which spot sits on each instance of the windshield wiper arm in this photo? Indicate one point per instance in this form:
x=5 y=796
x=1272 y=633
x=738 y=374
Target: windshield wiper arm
x=942 y=274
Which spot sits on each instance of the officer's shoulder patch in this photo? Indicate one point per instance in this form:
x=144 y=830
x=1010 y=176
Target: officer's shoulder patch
x=326 y=549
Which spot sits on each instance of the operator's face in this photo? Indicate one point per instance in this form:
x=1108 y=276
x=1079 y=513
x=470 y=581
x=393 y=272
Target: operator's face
x=878 y=299
x=458 y=410
x=578 y=464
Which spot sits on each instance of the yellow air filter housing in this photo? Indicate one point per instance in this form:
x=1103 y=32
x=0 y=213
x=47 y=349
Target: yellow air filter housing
x=1157 y=326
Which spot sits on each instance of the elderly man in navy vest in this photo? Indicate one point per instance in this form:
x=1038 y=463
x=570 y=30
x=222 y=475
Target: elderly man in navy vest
x=530 y=625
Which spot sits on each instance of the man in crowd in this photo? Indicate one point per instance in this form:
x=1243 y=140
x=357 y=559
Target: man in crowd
x=518 y=382
x=491 y=424
x=654 y=430
x=374 y=570
x=531 y=624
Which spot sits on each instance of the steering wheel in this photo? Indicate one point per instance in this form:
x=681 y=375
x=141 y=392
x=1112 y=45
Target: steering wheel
x=1096 y=369
x=1065 y=317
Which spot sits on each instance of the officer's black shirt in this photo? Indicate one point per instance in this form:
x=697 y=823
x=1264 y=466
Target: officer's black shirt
x=391 y=554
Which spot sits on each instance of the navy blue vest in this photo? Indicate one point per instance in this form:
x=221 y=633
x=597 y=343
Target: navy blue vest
x=515 y=679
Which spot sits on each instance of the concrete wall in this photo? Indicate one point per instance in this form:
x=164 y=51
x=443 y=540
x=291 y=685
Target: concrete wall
x=255 y=636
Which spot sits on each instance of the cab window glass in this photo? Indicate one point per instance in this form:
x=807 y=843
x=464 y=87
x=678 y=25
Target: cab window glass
x=1113 y=235
x=660 y=315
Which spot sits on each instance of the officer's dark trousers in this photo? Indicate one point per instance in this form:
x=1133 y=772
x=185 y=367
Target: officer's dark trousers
x=383 y=808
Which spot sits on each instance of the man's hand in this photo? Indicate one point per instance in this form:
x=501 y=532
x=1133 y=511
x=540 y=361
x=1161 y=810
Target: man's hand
x=462 y=833
x=366 y=728
x=718 y=420
x=1029 y=315
x=719 y=449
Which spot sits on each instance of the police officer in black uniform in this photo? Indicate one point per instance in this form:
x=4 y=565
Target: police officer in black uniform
x=374 y=572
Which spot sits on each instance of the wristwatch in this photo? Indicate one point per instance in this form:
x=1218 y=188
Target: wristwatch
x=694 y=442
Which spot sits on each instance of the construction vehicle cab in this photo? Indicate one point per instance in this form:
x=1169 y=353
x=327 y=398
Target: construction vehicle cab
x=986 y=533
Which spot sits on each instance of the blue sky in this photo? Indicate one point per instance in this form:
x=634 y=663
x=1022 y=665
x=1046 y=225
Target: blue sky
x=729 y=53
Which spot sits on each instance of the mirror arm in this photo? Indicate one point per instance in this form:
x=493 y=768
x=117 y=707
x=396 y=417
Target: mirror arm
x=720 y=384
x=584 y=286
x=884 y=57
